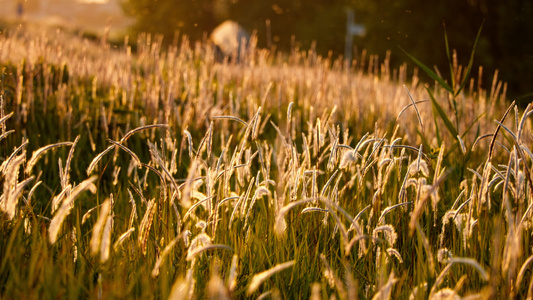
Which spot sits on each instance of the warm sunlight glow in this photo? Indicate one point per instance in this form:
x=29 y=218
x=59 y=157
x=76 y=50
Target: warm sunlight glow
x=94 y=1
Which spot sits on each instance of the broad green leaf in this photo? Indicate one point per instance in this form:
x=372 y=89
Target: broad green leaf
x=442 y=114
x=430 y=72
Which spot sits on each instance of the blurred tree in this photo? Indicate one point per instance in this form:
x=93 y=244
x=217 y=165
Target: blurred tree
x=190 y=17
x=322 y=21
x=415 y=25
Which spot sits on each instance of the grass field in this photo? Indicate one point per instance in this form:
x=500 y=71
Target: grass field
x=166 y=174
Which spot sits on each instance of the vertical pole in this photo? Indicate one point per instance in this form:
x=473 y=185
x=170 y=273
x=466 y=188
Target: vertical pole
x=348 y=44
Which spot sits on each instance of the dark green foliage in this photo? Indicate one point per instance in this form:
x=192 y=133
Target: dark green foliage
x=411 y=24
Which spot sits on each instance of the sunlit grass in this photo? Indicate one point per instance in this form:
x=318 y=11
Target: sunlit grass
x=166 y=173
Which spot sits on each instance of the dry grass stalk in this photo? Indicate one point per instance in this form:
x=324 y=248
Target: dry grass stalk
x=388 y=231
x=12 y=188
x=332 y=279
x=30 y=193
x=420 y=204
x=106 y=239
x=389 y=209
x=133 y=214
x=195 y=205
x=166 y=171
x=56 y=201
x=123 y=237
x=445 y=294
x=458 y=260
x=6 y=164
x=133 y=155
x=232 y=278
x=138 y=129
x=495 y=134
x=96 y=238
x=64 y=174
x=259 y=192
x=385 y=292
x=215 y=287
x=38 y=153
x=146 y=223
x=183 y=288
x=238 y=210
x=522 y=272
x=166 y=251
x=393 y=252
x=231 y=118
x=191 y=255
x=260 y=277
x=416 y=108
x=67 y=205
x=10 y=169
x=98 y=158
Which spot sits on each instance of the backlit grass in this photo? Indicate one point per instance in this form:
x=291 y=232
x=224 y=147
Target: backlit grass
x=168 y=174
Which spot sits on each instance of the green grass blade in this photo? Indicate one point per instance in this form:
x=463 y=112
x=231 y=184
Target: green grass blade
x=442 y=114
x=450 y=63
x=470 y=62
x=430 y=72
x=437 y=132
x=472 y=125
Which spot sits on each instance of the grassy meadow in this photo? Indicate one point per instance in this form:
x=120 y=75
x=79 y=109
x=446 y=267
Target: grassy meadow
x=165 y=173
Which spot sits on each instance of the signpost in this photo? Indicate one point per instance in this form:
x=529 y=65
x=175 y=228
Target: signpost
x=352 y=29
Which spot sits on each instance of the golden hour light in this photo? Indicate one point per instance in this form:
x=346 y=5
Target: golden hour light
x=233 y=149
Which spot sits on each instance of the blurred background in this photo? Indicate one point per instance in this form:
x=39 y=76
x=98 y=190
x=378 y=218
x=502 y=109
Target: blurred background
x=506 y=41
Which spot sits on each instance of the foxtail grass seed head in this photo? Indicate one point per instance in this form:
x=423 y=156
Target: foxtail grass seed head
x=388 y=232
x=40 y=152
x=122 y=238
x=445 y=294
x=419 y=166
x=444 y=256
x=280 y=225
x=183 y=288
x=106 y=239
x=347 y=159
x=216 y=288
x=231 y=147
x=233 y=272
x=8 y=203
x=66 y=206
x=164 y=254
x=259 y=278
x=96 y=239
x=394 y=253
x=146 y=224
x=386 y=290
x=315 y=291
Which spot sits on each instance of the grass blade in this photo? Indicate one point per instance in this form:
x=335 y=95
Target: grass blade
x=430 y=72
x=470 y=63
x=260 y=277
x=442 y=114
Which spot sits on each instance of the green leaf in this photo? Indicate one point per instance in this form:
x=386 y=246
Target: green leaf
x=424 y=140
x=471 y=125
x=448 y=55
x=442 y=114
x=428 y=71
x=470 y=63
x=437 y=132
